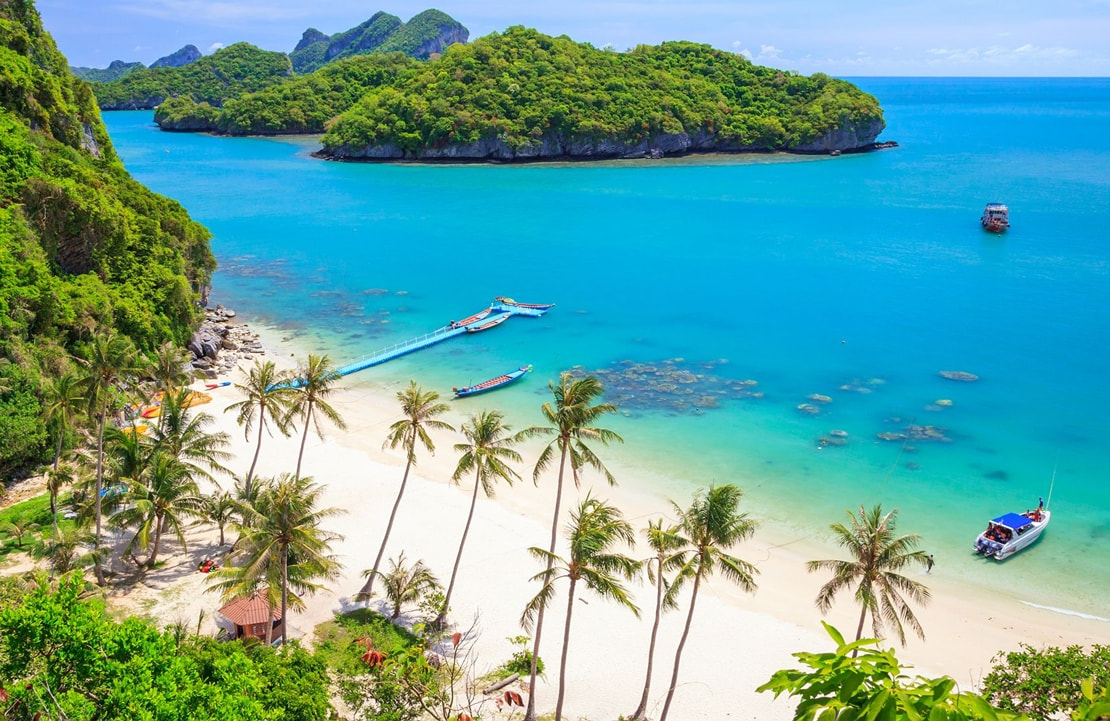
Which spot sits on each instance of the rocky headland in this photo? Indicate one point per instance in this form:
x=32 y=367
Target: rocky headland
x=221 y=342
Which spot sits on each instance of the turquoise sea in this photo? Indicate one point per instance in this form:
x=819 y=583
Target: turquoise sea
x=858 y=277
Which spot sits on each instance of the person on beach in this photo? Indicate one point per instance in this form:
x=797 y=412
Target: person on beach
x=929 y=564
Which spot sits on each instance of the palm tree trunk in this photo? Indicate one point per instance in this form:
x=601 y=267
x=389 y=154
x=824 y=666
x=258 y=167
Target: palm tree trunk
x=681 y=643
x=640 y=713
x=859 y=628
x=257 y=450
x=58 y=448
x=530 y=712
x=284 y=594
x=158 y=521
x=563 y=657
x=441 y=620
x=99 y=485
x=307 y=425
x=368 y=587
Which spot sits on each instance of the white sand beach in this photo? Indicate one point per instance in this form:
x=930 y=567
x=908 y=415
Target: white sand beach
x=737 y=640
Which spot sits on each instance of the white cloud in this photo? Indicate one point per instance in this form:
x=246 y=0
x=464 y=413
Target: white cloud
x=1000 y=55
x=214 y=47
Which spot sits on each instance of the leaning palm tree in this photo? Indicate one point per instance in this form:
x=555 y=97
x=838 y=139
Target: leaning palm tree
x=282 y=546
x=668 y=558
x=486 y=451
x=111 y=359
x=710 y=526
x=595 y=528
x=419 y=409
x=64 y=396
x=267 y=394
x=182 y=434
x=571 y=428
x=316 y=381
x=405 y=584
x=877 y=557
x=162 y=501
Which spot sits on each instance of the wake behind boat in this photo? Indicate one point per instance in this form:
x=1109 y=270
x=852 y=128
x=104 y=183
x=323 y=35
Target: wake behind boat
x=501 y=380
x=1012 y=532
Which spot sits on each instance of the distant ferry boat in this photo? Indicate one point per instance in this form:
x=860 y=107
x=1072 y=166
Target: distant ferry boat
x=996 y=217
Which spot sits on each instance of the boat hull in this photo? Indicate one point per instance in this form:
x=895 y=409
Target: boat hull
x=493 y=383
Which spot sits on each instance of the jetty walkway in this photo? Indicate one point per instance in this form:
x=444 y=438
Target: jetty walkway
x=499 y=311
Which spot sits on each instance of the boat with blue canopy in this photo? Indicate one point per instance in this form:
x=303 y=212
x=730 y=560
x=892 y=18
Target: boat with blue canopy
x=1011 y=532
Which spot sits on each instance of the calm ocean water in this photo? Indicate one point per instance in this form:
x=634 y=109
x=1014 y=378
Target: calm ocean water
x=858 y=278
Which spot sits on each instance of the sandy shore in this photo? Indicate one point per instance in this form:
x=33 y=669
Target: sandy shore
x=737 y=640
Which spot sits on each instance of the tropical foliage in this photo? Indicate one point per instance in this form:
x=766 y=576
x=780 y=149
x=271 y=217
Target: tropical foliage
x=858 y=681
x=1042 y=683
x=382 y=33
x=226 y=73
x=523 y=89
x=62 y=657
x=83 y=247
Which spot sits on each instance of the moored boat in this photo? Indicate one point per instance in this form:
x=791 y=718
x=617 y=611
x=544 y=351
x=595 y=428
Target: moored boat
x=996 y=217
x=471 y=319
x=1012 y=532
x=492 y=322
x=501 y=380
x=534 y=306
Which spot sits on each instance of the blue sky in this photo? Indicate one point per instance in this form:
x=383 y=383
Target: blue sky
x=934 y=37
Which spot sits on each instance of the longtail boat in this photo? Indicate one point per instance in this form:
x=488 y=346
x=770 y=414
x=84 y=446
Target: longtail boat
x=471 y=319
x=535 y=306
x=492 y=322
x=502 y=380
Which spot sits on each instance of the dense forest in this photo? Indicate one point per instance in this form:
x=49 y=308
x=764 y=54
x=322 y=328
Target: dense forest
x=522 y=94
x=426 y=33
x=84 y=248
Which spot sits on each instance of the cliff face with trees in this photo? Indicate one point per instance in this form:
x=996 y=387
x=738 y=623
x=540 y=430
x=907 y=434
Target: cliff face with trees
x=522 y=95
x=83 y=246
x=425 y=34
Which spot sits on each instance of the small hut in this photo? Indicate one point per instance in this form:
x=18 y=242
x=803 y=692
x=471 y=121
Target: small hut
x=252 y=615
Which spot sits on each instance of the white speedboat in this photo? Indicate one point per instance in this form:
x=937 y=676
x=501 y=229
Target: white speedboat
x=1008 y=534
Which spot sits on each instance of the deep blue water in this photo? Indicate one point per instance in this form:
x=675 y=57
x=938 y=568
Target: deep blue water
x=857 y=277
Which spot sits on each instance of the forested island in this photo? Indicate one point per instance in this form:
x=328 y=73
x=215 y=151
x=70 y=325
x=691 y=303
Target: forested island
x=523 y=95
x=84 y=249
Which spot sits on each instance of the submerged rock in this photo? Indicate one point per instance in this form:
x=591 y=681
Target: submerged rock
x=963 y=376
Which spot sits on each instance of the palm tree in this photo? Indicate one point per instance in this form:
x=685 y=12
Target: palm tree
x=877 y=557
x=487 y=448
x=58 y=478
x=406 y=583
x=63 y=397
x=267 y=392
x=162 y=501
x=316 y=382
x=221 y=509
x=168 y=366
x=595 y=527
x=667 y=545
x=282 y=545
x=63 y=552
x=19 y=528
x=420 y=409
x=571 y=419
x=710 y=526
x=112 y=358
x=183 y=435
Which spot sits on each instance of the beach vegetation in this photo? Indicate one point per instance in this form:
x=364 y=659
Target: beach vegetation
x=595 y=532
x=419 y=410
x=62 y=656
x=164 y=497
x=282 y=546
x=572 y=416
x=710 y=526
x=405 y=583
x=486 y=452
x=1042 y=683
x=666 y=543
x=878 y=555
x=221 y=510
x=860 y=681
x=520 y=662
x=23 y=524
x=308 y=399
x=266 y=398
x=184 y=436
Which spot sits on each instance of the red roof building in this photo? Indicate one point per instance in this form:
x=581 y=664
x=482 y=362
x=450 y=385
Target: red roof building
x=252 y=615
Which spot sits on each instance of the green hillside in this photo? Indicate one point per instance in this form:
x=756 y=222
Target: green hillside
x=226 y=73
x=83 y=247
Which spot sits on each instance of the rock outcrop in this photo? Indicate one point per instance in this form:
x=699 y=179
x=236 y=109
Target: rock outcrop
x=554 y=146
x=184 y=56
x=220 y=343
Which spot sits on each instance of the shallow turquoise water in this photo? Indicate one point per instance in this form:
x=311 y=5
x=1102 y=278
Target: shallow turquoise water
x=804 y=274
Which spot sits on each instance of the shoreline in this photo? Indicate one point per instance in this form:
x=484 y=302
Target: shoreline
x=964 y=627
